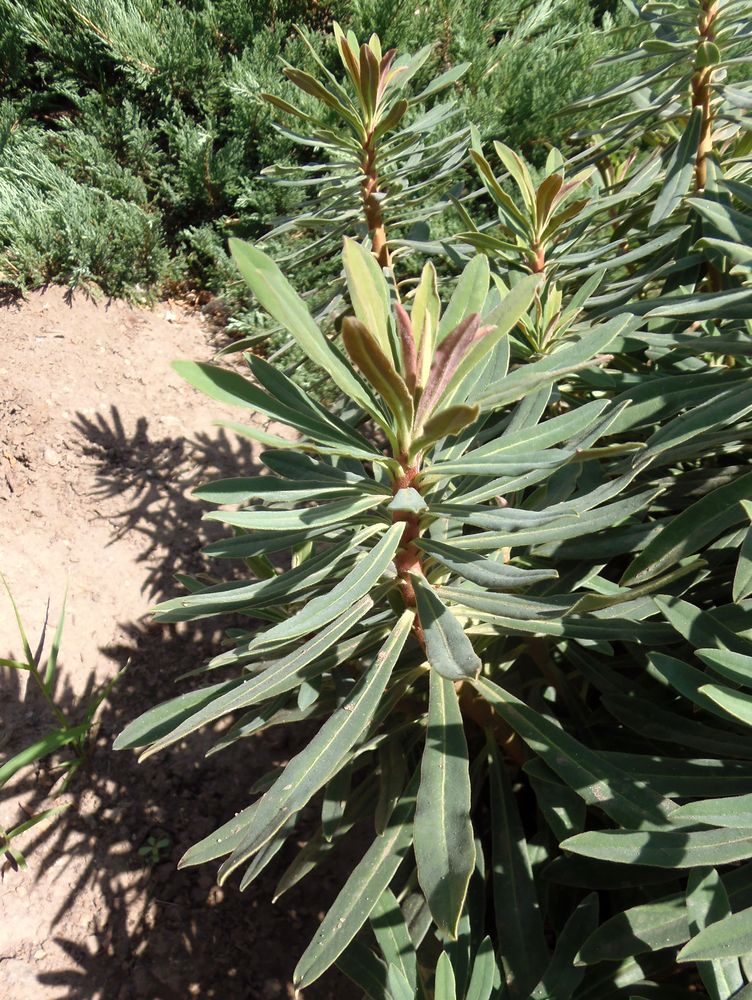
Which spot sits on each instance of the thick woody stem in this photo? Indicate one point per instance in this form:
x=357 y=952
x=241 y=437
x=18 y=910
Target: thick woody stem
x=371 y=205
x=701 y=96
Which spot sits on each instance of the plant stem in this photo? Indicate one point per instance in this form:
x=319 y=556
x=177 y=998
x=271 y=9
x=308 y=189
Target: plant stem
x=408 y=559
x=371 y=206
x=702 y=94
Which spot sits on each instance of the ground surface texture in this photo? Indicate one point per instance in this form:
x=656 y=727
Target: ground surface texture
x=100 y=444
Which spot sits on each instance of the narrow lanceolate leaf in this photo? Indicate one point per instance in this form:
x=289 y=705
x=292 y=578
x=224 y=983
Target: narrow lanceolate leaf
x=679 y=171
x=230 y=491
x=637 y=931
x=694 y=528
x=449 y=651
x=444 y=844
x=522 y=945
x=485 y=572
x=445 y=987
x=731 y=665
x=734 y=811
x=707 y=905
x=736 y=703
x=444 y=423
x=322 y=610
x=367 y=354
x=729 y=937
x=393 y=936
x=39 y=750
x=743 y=576
x=503 y=320
x=368 y=292
x=282 y=302
x=469 y=295
x=485 y=972
x=319 y=761
x=662 y=849
x=280 y=676
x=296 y=520
x=590 y=774
x=573 y=357
x=162 y=719
x=360 y=893
x=562 y=976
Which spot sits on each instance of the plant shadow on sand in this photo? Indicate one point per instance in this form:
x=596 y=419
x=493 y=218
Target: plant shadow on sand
x=124 y=921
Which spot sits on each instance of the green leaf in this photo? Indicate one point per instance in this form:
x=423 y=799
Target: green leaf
x=572 y=357
x=232 y=491
x=233 y=389
x=398 y=987
x=743 y=576
x=320 y=760
x=39 y=750
x=733 y=811
x=281 y=301
x=449 y=421
x=162 y=719
x=468 y=297
x=448 y=650
x=407 y=501
x=503 y=319
x=562 y=977
x=727 y=938
x=735 y=703
x=51 y=666
x=444 y=844
x=367 y=971
x=679 y=171
x=728 y=222
x=729 y=664
x=361 y=892
x=296 y=520
x=444 y=985
x=377 y=367
x=562 y=808
x=486 y=573
x=663 y=849
x=687 y=680
x=693 y=528
x=590 y=774
x=707 y=904
x=485 y=972
x=336 y=793
x=519 y=924
x=369 y=293
x=324 y=609
x=725 y=409
x=393 y=937
x=636 y=931
x=424 y=319
x=278 y=677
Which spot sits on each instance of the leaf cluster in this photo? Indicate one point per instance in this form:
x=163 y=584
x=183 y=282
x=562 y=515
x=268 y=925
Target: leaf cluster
x=510 y=571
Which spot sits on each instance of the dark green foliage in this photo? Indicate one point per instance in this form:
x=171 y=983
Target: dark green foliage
x=137 y=129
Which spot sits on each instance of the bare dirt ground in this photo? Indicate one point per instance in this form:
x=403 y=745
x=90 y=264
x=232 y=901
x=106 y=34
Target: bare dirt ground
x=100 y=443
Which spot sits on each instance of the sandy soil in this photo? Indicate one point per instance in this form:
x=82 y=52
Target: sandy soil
x=100 y=444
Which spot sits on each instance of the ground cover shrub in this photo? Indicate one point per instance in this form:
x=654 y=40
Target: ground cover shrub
x=510 y=574
x=139 y=124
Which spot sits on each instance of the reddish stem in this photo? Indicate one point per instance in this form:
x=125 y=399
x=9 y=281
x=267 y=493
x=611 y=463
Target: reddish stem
x=371 y=205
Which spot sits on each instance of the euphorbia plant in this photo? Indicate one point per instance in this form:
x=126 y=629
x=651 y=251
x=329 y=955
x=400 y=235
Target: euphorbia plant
x=404 y=572
x=478 y=569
